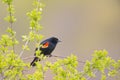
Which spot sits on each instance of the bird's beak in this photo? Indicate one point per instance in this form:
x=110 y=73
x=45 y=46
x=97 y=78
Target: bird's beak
x=59 y=41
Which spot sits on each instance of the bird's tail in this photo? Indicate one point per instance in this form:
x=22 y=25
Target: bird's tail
x=33 y=63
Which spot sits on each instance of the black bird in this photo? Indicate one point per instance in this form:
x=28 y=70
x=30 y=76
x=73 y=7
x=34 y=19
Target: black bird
x=46 y=47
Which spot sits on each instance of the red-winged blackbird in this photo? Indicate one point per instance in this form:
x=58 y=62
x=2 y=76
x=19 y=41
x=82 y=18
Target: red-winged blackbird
x=46 y=48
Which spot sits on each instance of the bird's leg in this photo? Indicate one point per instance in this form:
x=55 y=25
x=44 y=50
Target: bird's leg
x=49 y=55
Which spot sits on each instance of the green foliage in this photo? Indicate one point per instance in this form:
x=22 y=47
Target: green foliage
x=35 y=27
x=65 y=69
x=12 y=66
x=35 y=16
x=8 y=2
x=103 y=63
x=38 y=74
x=10 y=18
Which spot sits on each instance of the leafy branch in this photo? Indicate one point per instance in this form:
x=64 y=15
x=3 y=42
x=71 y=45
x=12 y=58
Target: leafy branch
x=11 y=19
x=35 y=27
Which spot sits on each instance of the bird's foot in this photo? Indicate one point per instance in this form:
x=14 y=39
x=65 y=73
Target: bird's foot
x=49 y=55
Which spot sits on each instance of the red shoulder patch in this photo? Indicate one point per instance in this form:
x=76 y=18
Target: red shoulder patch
x=45 y=45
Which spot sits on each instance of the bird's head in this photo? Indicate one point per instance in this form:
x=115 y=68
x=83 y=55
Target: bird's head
x=54 y=40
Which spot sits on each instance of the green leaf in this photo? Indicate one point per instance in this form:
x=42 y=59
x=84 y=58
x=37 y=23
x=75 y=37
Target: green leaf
x=38 y=37
x=9 y=30
x=7 y=1
x=112 y=73
x=25 y=38
x=11 y=9
x=10 y=19
x=25 y=47
x=32 y=35
x=103 y=77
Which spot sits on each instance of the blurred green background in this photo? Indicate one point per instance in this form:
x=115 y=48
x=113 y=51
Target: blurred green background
x=82 y=25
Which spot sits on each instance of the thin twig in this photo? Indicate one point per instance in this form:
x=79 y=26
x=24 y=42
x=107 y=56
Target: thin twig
x=58 y=56
x=50 y=56
x=10 y=17
x=28 y=39
x=11 y=26
x=28 y=57
x=66 y=57
x=21 y=53
x=2 y=76
x=90 y=77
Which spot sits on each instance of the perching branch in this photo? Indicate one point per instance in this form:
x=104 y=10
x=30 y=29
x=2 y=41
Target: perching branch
x=49 y=56
x=65 y=57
